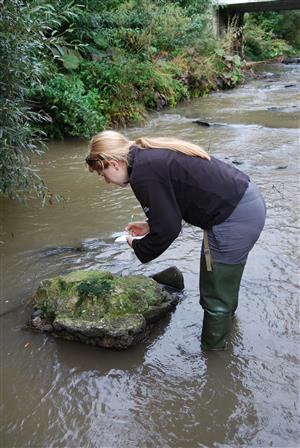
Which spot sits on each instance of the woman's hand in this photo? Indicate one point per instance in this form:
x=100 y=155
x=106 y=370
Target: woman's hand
x=138 y=228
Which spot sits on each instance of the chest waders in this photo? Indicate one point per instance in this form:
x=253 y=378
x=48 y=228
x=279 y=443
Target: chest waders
x=219 y=289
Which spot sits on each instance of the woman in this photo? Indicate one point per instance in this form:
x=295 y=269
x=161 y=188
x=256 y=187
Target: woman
x=175 y=180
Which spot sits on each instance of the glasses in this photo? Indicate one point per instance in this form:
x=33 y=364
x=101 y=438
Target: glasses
x=93 y=162
x=90 y=161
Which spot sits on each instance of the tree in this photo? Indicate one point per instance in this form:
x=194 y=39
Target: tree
x=20 y=137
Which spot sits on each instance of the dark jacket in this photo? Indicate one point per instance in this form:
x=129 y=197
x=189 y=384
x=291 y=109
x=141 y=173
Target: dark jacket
x=172 y=186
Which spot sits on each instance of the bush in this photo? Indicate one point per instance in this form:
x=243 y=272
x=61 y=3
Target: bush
x=260 y=45
x=266 y=35
x=282 y=25
x=28 y=44
x=20 y=135
x=72 y=110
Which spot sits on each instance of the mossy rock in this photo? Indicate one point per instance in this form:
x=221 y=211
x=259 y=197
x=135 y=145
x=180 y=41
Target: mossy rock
x=98 y=308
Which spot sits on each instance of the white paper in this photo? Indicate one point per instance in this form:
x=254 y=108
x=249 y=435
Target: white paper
x=123 y=238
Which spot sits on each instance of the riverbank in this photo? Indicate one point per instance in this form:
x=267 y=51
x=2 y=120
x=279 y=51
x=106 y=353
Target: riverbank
x=124 y=85
x=144 y=88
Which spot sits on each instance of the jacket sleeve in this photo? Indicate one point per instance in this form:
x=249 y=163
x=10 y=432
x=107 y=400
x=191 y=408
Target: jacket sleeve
x=164 y=217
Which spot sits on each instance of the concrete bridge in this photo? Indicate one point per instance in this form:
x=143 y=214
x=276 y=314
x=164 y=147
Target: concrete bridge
x=232 y=11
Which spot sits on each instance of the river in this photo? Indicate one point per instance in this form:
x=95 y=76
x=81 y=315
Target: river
x=165 y=392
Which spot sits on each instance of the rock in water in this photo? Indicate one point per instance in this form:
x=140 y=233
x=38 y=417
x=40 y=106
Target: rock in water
x=98 y=308
x=170 y=278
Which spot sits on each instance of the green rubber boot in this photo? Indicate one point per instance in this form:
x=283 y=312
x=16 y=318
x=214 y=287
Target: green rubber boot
x=219 y=291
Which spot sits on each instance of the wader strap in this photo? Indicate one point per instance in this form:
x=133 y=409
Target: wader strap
x=207 y=253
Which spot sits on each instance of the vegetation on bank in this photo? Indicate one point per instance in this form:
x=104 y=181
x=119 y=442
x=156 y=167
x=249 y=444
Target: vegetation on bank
x=270 y=34
x=72 y=68
x=130 y=57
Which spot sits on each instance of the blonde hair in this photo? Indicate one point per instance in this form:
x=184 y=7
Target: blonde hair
x=111 y=145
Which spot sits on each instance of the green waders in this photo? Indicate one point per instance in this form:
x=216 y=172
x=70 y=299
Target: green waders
x=219 y=289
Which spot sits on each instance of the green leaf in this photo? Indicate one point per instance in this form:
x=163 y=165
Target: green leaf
x=100 y=41
x=220 y=52
x=237 y=60
x=70 y=61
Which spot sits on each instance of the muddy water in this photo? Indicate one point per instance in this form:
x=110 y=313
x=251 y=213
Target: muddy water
x=166 y=392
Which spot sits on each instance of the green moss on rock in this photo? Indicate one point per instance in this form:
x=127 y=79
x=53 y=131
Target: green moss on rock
x=99 y=308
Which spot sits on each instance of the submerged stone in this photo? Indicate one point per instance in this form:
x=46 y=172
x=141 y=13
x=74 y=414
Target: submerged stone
x=98 y=308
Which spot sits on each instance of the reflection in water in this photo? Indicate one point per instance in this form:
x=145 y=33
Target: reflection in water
x=165 y=392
